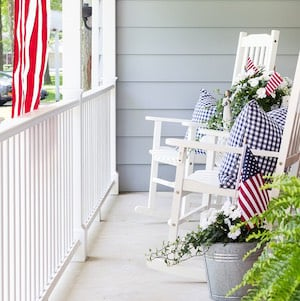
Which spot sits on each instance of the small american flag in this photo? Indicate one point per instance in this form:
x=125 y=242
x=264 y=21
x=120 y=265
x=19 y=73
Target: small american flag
x=273 y=83
x=250 y=65
x=251 y=199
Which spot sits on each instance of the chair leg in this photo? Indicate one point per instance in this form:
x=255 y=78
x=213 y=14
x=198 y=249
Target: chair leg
x=153 y=184
x=150 y=209
x=173 y=222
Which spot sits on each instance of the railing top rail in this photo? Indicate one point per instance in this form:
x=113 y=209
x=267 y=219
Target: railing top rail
x=87 y=95
x=11 y=127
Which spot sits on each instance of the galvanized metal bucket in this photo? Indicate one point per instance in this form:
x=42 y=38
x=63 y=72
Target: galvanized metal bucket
x=225 y=268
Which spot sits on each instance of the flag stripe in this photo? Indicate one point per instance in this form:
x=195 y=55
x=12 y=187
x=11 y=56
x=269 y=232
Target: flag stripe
x=273 y=83
x=30 y=54
x=250 y=65
x=251 y=199
x=263 y=192
x=249 y=193
x=258 y=193
x=247 y=208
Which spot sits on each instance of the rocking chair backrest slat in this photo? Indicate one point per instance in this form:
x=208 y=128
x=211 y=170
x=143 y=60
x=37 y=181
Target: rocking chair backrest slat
x=290 y=144
x=261 y=48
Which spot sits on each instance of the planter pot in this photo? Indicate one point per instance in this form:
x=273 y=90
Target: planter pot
x=225 y=268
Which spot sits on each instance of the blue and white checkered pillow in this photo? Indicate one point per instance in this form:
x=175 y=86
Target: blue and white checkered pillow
x=261 y=132
x=279 y=116
x=204 y=109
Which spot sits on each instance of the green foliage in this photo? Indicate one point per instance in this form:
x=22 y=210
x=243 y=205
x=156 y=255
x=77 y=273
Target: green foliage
x=276 y=274
x=56 y=5
x=249 y=87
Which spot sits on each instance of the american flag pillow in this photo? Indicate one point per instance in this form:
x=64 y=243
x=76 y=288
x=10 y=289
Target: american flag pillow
x=261 y=132
x=204 y=109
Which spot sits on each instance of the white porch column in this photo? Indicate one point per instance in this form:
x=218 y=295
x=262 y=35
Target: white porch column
x=71 y=17
x=71 y=20
x=96 y=44
x=109 y=41
x=109 y=74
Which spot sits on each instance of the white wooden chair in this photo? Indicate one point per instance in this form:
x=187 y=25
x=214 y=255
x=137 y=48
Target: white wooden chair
x=206 y=182
x=262 y=49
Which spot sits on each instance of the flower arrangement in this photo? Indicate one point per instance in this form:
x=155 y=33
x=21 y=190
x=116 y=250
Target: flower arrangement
x=216 y=226
x=249 y=86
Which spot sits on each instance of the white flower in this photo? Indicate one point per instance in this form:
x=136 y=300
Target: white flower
x=208 y=217
x=261 y=93
x=227 y=208
x=288 y=81
x=212 y=216
x=273 y=94
x=283 y=84
x=251 y=72
x=235 y=234
x=235 y=214
x=227 y=222
x=285 y=101
x=266 y=76
x=240 y=77
x=253 y=82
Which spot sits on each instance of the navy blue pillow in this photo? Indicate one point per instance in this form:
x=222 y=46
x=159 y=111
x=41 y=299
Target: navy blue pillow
x=204 y=109
x=261 y=132
x=279 y=116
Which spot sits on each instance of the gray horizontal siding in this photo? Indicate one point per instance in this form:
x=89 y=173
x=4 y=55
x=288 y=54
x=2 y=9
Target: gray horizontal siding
x=208 y=13
x=167 y=50
x=163 y=95
x=129 y=119
x=186 y=68
x=182 y=40
x=141 y=146
x=136 y=177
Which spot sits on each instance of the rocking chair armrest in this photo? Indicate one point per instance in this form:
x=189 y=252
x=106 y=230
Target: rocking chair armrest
x=190 y=144
x=194 y=124
x=214 y=133
x=166 y=119
x=203 y=130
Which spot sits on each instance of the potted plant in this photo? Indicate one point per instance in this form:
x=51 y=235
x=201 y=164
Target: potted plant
x=276 y=273
x=271 y=249
x=223 y=246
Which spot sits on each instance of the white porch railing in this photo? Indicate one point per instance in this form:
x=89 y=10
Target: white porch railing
x=46 y=159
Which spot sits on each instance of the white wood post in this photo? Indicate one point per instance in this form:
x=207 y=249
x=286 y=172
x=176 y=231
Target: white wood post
x=72 y=90
x=79 y=232
x=109 y=40
x=71 y=19
x=96 y=44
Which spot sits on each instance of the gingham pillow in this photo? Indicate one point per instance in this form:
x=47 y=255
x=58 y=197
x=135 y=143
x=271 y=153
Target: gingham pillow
x=204 y=109
x=279 y=116
x=261 y=132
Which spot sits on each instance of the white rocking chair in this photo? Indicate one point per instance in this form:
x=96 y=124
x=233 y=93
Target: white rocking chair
x=206 y=182
x=262 y=49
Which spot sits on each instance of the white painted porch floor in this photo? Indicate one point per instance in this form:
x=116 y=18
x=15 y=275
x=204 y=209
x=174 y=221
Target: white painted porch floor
x=116 y=269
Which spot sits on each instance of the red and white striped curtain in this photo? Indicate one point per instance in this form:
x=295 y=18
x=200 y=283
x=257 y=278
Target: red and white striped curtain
x=30 y=54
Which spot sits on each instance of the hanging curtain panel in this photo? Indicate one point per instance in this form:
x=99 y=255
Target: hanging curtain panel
x=30 y=54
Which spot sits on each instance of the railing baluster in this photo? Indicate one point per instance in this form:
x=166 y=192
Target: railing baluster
x=37 y=224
